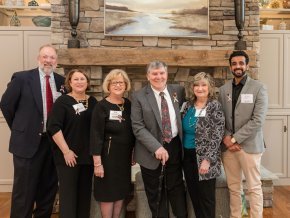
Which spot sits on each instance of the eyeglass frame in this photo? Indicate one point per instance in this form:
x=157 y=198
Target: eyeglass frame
x=115 y=83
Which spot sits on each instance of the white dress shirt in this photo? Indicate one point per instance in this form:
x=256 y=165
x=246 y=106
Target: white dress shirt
x=55 y=94
x=172 y=114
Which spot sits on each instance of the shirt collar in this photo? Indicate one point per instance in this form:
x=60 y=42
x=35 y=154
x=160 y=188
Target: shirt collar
x=156 y=92
x=242 y=82
x=42 y=74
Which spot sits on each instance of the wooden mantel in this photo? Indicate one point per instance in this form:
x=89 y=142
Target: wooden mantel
x=141 y=57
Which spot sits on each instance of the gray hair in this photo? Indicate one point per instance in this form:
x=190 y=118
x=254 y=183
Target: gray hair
x=156 y=65
x=47 y=46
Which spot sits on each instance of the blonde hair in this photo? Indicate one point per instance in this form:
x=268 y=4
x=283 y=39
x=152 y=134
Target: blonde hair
x=69 y=76
x=195 y=80
x=113 y=74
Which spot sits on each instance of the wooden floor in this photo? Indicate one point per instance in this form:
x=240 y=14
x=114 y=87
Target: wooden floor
x=281 y=207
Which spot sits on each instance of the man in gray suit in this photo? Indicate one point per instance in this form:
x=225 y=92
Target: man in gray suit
x=156 y=124
x=244 y=103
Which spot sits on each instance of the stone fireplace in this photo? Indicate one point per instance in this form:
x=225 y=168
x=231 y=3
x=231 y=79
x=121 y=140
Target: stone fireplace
x=185 y=56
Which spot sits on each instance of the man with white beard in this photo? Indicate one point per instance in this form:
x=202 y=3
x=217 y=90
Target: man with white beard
x=25 y=105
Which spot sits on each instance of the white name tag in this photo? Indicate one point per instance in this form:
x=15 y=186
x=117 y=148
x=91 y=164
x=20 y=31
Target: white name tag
x=247 y=98
x=115 y=115
x=79 y=108
x=200 y=112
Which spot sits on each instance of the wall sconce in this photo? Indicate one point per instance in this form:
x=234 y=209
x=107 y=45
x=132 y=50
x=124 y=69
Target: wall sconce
x=74 y=15
x=240 y=21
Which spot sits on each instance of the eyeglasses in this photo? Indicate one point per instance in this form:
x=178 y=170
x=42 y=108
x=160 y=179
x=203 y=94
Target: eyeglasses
x=115 y=83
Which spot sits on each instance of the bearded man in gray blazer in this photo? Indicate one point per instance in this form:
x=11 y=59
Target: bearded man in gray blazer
x=156 y=123
x=245 y=104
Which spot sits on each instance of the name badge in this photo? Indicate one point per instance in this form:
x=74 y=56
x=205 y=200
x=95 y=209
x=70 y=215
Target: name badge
x=79 y=108
x=247 y=98
x=200 y=112
x=115 y=115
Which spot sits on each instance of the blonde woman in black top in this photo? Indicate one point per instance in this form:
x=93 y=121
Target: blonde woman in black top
x=69 y=125
x=112 y=142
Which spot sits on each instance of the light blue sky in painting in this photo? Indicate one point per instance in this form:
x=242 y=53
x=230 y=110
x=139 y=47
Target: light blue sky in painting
x=160 y=5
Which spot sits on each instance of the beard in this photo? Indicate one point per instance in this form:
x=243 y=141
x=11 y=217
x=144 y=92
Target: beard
x=47 y=69
x=240 y=74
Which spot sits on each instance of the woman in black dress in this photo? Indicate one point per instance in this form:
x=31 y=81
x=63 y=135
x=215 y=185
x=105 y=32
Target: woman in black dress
x=112 y=142
x=69 y=126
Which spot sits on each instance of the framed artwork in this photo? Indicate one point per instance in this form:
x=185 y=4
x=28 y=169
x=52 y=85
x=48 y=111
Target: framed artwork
x=164 y=18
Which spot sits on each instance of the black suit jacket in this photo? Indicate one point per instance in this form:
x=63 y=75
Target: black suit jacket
x=21 y=105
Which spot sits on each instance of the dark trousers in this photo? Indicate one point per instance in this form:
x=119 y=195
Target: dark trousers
x=202 y=193
x=75 y=189
x=175 y=190
x=35 y=184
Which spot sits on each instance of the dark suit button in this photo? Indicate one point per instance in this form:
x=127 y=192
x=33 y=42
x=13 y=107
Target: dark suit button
x=40 y=134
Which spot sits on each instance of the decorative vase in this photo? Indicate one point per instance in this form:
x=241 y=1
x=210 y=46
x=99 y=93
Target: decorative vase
x=19 y=3
x=275 y=4
x=263 y=3
x=74 y=16
x=282 y=25
x=33 y=3
x=9 y=3
x=14 y=21
x=286 y=3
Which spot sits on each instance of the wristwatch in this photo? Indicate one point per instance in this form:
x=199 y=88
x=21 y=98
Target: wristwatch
x=233 y=140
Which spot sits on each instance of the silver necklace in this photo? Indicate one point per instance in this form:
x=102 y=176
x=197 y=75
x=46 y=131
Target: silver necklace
x=193 y=114
x=122 y=108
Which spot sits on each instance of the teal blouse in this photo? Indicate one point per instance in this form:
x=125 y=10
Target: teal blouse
x=188 y=128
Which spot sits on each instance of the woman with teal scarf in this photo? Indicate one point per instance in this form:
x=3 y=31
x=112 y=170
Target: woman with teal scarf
x=203 y=129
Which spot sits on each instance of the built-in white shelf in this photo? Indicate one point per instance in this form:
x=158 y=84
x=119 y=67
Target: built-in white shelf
x=44 y=7
x=275 y=13
x=26 y=11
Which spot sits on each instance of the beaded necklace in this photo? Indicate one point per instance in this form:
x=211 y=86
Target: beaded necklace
x=84 y=102
x=193 y=115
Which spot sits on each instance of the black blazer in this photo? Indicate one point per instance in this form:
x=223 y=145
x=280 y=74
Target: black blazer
x=21 y=105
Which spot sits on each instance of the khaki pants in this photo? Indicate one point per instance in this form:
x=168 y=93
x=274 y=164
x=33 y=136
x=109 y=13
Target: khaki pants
x=236 y=163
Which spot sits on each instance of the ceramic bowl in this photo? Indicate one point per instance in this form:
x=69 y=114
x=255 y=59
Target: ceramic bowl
x=43 y=21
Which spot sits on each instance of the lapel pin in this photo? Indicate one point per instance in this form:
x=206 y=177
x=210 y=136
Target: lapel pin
x=175 y=97
x=229 y=97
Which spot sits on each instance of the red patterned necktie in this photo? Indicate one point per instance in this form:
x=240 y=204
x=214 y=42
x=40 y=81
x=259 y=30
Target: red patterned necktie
x=49 y=99
x=166 y=124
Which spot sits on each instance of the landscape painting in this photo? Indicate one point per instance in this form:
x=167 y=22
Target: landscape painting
x=165 y=18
